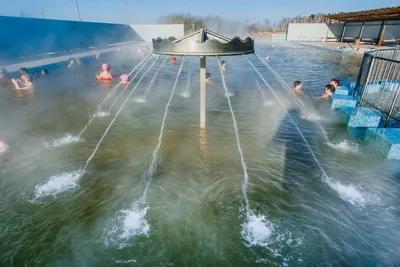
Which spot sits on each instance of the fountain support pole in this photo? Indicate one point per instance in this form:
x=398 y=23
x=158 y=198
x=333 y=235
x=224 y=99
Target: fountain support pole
x=203 y=92
x=203 y=84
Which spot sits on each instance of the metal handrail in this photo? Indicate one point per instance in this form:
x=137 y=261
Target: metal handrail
x=378 y=82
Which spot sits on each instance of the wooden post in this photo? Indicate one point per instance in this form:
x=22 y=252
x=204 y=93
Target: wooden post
x=382 y=33
x=343 y=32
x=327 y=30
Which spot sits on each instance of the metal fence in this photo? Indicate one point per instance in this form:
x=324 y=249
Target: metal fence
x=378 y=82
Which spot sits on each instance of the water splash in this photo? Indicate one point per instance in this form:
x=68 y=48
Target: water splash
x=129 y=224
x=257 y=230
x=101 y=114
x=58 y=183
x=349 y=192
x=185 y=95
x=125 y=261
x=268 y=103
x=228 y=94
x=345 y=146
x=139 y=100
x=65 y=140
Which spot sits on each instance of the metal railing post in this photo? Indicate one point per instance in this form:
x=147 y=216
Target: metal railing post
x=368 y=77
x=392 y=107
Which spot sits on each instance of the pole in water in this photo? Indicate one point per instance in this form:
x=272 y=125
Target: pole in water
x=203 y=85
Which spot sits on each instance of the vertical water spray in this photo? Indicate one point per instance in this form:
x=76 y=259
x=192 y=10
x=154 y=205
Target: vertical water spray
x=266 y=102
x=126 y=87
x=186 y=92
x=99 y=107
x=245 y=175
x=154 y=78
x=153 y=165
x=293 y=96
x=115 y=117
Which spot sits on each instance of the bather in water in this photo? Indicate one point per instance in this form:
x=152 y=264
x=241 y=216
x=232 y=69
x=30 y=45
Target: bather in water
x=105 y=75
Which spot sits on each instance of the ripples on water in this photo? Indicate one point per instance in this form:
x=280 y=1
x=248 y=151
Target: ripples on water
x=53 y=214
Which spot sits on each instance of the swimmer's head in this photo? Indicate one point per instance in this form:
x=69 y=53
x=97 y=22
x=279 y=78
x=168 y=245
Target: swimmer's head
x=208 y=76
x=329 y=89
x=173 y=59
x=223 y=63
x=45 y=72
x=335 y=82
x=71 y=61
x=106 y=67
x=23 y=71
x=124 y=78
x=297 y=85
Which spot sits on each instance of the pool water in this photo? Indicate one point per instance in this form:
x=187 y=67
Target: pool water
x=194 y=211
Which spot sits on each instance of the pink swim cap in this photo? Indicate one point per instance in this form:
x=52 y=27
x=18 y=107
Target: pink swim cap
x=124 y=77
x=106 y=66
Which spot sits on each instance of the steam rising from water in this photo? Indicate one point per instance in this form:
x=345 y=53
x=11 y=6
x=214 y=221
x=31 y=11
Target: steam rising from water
x=58 y=184
x=65 y=140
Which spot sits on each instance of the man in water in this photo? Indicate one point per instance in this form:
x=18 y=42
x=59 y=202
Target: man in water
x=25 y=83
x=335 y=83
x=223 y=65
x=208 y=78
x=24 y=72
x=297 y=88
x=71 y=63
x=329 y=90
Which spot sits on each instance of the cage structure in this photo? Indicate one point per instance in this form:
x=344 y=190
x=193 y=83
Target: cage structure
x=203 y=43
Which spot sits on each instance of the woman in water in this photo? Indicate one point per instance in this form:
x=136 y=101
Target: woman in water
x=124 y=79
x=105 y=75
x=173 y=59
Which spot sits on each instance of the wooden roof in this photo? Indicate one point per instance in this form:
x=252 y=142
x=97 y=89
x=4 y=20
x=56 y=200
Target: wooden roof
x=389 y=13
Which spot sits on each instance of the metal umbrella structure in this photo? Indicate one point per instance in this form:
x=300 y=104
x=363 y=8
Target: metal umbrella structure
x=203 y=43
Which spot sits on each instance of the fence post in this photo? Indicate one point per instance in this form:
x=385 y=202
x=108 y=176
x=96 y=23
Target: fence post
x=368 y=77
x=392 y=107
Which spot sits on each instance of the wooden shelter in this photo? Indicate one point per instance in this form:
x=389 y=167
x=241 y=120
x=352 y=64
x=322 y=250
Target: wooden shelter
x=382 y=15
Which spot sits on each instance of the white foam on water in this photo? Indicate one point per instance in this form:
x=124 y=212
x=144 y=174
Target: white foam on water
x=65 y=140
x=125 y=262
x=257 y=230
x=229 y=94
x=185 y=95
x=268 y=103
x=345 y=146
x=58 y=184
x=139 y=100
x=129 y=223
x=102 y=114
x=349 y=192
